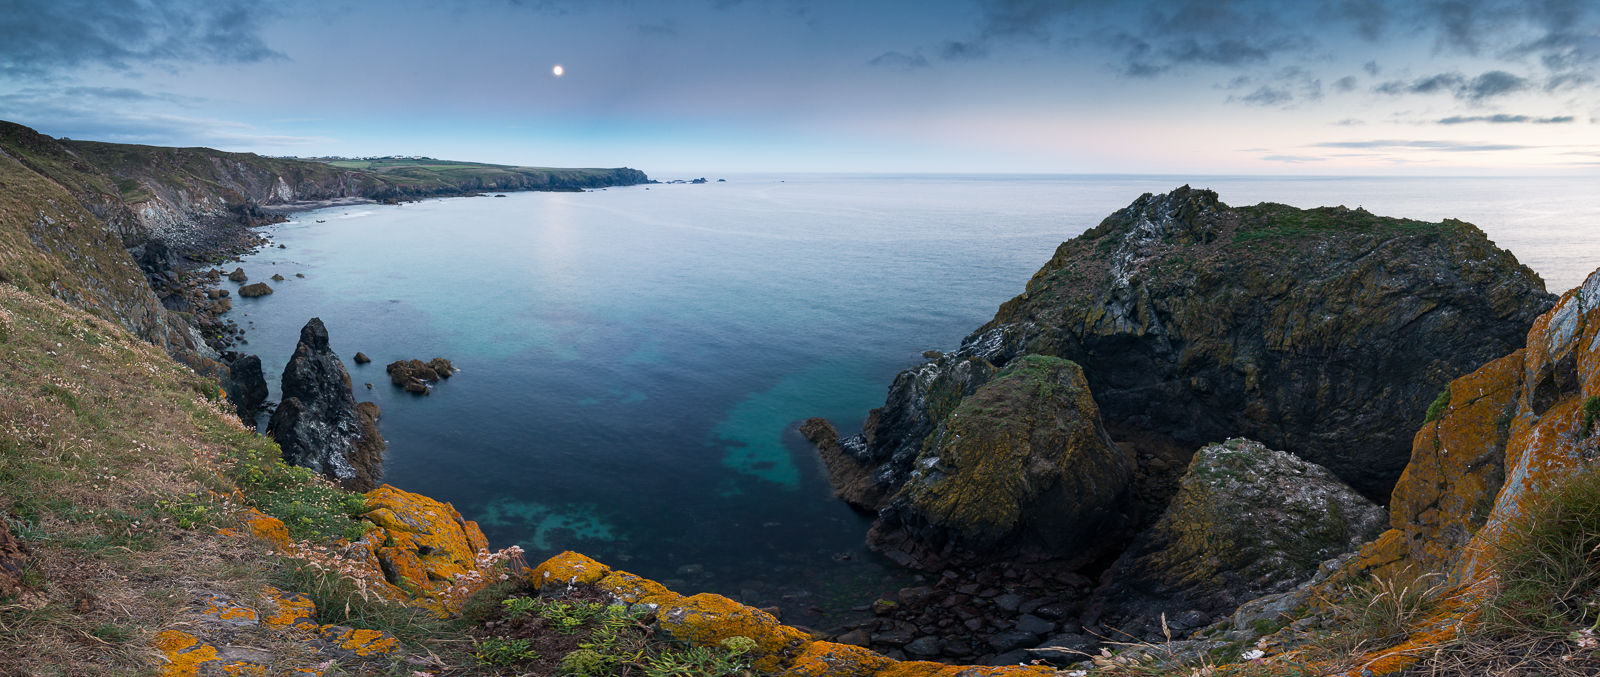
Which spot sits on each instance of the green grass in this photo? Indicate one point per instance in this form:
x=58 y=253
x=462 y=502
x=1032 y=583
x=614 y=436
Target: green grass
x=1436 y=409
x=1549 y=559
x=1273 y=221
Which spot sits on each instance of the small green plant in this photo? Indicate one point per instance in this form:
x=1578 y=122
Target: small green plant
x=567 y=617
x=502 y=652
x=517 y=607
x=1436 y=409
x=1591 y=411
x=113 y=634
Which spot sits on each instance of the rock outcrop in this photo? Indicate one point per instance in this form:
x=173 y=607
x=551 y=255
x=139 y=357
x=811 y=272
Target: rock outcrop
x=1021 y=469
x=1247 y=522
x=246 y=386
x=317 y=423
x=415 y=375
x=1324 y=332
x=257 y=289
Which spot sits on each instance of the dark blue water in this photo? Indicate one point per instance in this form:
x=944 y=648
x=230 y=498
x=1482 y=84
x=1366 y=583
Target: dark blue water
x=635 y=363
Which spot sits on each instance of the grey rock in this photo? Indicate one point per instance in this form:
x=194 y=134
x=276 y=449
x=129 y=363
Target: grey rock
x=1011 y=640
x=1034 y=624
x=1013 y=657
x=317 y=422
x=1008 y=602
x=924 y=647
x=246 y=386
x=856 y=637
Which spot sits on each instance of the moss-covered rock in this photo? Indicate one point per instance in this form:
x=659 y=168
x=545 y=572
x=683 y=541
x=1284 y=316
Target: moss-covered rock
x=1323 y=332
x=1248 y=521
x=1020 y=468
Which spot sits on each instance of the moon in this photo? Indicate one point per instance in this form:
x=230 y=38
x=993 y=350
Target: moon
x=558 y=70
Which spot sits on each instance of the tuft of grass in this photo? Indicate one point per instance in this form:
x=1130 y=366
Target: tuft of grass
x=1436 y=409
x=1590 y=411
x=1549 y=559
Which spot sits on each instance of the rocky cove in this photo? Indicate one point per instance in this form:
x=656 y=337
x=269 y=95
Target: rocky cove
x=1151 y=443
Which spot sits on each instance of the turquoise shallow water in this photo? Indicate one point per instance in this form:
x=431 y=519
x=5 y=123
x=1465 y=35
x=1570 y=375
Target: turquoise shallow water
x=634 y=363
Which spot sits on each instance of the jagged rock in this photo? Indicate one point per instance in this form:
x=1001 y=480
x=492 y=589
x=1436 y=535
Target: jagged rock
x=246 y=386
x=361 y=358
x=1021 y=469
x=852 y=480
x=277 y=278
x=317 y=423
x=257 y=289
x=415 y=375
x=1248 y=521
x=1325 y=332
x=238 y=275
x=158 y=260
x=442 y=367
x=221 y=306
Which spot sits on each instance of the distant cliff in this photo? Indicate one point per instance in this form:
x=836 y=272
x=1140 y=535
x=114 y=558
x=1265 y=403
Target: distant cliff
x=172 y=194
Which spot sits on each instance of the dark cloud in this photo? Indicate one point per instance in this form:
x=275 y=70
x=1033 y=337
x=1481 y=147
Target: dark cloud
x=1346 y=84
x=898 y=60
x=1486 y=86
x=1506 y=119
x=666 y=28
x=1372 y=68
x=131 y=116
x=1266 y=96
x=952 y=50
x=1446 y=146
x=37 y=38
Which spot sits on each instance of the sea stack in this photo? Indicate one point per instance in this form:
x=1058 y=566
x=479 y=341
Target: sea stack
x=318 y=424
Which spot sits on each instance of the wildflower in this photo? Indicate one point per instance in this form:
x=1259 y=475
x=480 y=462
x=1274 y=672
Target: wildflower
x=1252 y=654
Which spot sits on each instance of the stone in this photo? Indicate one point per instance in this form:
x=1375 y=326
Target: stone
x=916 y=598
x=257 y=289
x=955 y=647
x=856 y=638
x=924 y=647
x=1247 y=521
x=1008 y=602
x=884 y=607
x=238 y=275
x=317 y=423
x=277 y=278
x=1013 y=657
x=1195 y=321
x=246 y=387
x=361 y=358
x=1021 y=469
x=1035 y=625
x=1065 y=648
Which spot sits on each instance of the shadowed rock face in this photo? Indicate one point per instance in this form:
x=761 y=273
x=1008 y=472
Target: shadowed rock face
x=317 y=423
x=1248 y=521
x=1021 y=469
x=1324 y=332
x=246 y=386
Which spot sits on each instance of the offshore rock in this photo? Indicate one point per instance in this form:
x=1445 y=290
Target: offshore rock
x=1021 y=469
x=238 y=275
x=246 y=386
x=257 y=289
x=1324 y=332
x=317 y=423
x=1247 y=522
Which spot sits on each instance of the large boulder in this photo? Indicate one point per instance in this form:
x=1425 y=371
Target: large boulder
x=246 y=386
x=317 y=423
x=1247 y=522
x=1022 y=469
x=257 y=289
x=1324 y=332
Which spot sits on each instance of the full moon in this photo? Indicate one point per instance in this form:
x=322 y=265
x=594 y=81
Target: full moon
x=558 y=70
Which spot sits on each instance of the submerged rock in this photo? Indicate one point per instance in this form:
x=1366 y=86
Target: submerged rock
x=1021 y=469
x=318 y=424
x=1324 y=332
x=361 y=358
x=1247 y=522
x=257 y=289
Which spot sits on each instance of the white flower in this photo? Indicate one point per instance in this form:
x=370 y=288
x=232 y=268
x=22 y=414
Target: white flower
x=1252 y=654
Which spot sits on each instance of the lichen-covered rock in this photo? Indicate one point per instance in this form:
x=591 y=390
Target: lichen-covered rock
x=1507 y=431
x=432 y=542
x=317 y=424
x=1247 y=522
x=1021 y=468
x=1324 y=332
x=707 y=619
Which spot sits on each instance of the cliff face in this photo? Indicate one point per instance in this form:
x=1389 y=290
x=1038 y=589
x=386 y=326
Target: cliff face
x=1323 y=332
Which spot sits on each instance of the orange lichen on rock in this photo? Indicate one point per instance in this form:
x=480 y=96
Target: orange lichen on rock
x=183 y=652
x=568 y=568
x=364 y=643
x=827 y=659
x=293 y=609
x=267 y=528
x=437 y=533
x=706 y=619
x=626 y=587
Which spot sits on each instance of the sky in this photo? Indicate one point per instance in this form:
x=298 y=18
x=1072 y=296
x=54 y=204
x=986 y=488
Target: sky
x=1325 y=87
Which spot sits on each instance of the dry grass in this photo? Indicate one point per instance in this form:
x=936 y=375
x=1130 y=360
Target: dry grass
x=105 y=469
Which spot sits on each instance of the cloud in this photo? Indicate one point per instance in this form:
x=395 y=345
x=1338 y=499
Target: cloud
x=1350 y=122
x=1445 y=146
x=1486 y=86
x=121 y=115
x=38 y=38
x=901 y=61
x=667 y=28
x=952 y=50
x=1372 y=68
x=1346 y=83
x=1296 y=159
x=1266 y=96
x=1505 y=119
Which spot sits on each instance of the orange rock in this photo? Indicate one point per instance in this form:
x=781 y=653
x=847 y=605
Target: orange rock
x=827 y=659
x=633 y=589
x=706 y=619
x=267 y=528
x=435 y=528
x=568 y=568
x=185 y=654
x=294 y=610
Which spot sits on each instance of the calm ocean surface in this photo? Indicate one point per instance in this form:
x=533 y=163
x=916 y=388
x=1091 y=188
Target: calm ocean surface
x=635 y=363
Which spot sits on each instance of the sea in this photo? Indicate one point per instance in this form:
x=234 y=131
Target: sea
x=635 y=361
